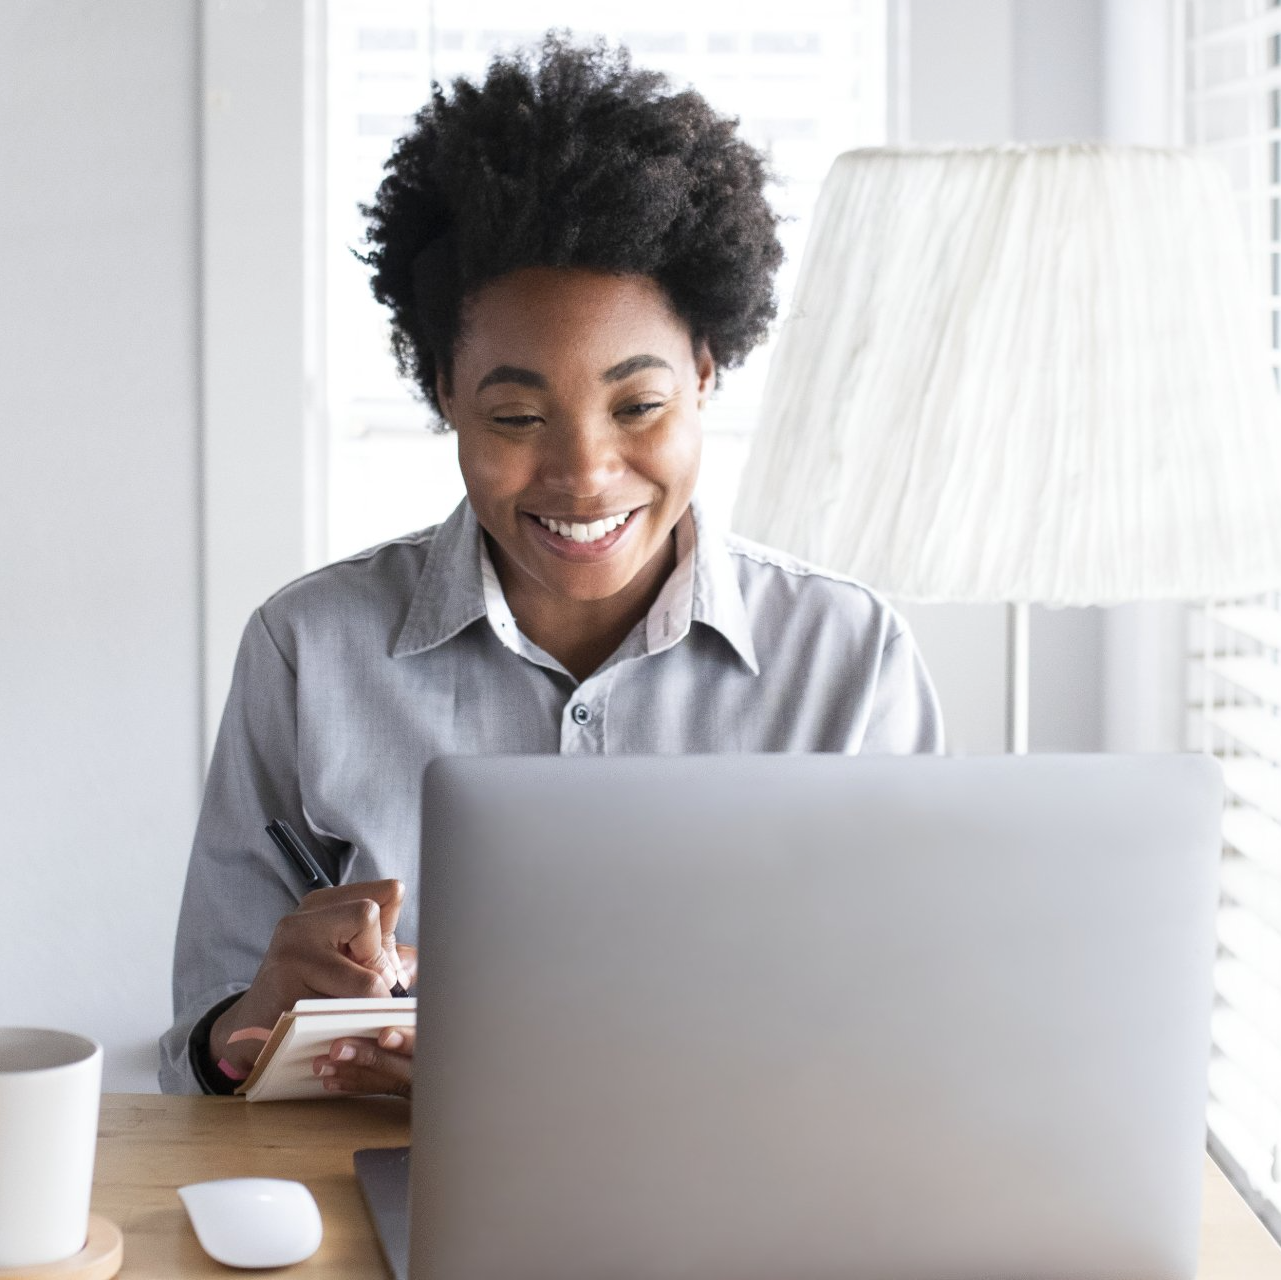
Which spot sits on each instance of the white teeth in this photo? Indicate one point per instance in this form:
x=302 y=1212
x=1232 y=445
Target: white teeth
x=585 y=532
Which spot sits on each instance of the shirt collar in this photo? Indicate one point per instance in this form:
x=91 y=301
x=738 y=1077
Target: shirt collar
x=496 y=607
x=702 y=588
x=458 y=586
x=450 y=594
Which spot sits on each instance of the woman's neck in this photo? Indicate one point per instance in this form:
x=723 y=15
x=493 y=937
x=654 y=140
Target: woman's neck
x=581 y=634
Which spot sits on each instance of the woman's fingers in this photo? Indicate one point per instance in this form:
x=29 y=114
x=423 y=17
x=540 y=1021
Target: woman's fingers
x=397 y=1039
x=389 y=895
x=408 y=957
x=360 y=1065
x=354 y=920
x=329 y=976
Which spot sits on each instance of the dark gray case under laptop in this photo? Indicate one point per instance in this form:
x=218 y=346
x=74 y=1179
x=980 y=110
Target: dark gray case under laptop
x=383 y=1174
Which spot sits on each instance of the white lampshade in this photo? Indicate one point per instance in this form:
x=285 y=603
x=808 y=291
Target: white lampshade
x=1024 y=374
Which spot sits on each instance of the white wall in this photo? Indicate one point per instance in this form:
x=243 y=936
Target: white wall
x=99 y=500
x=264 y=501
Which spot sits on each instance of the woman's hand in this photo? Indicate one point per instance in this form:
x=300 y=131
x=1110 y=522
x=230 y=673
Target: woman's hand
x=339 y=942
x=360 y=1065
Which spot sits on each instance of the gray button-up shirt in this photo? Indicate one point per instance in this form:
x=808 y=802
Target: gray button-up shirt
x=350 y=680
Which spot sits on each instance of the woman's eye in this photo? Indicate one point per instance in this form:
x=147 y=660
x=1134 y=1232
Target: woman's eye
x=640 y=410
x=518 y=420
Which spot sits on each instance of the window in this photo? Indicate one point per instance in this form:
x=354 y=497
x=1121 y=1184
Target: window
x=1232 y=109
x=807 y=80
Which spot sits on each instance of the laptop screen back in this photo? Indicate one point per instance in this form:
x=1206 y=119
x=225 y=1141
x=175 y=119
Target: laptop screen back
x=812 y=1016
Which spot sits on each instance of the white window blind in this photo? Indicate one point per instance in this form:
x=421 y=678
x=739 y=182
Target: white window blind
x=1232 y=109
x=807 y=80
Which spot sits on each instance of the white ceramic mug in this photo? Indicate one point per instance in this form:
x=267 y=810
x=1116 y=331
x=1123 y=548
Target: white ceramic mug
x=50 y=1084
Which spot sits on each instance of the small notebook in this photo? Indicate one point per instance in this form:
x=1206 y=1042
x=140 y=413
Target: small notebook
x=283 y=1069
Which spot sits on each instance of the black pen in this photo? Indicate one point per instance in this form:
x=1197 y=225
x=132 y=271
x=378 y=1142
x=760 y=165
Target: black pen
x=314 y=877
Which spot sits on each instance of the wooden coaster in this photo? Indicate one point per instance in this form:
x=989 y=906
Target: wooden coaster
x=99 y=1260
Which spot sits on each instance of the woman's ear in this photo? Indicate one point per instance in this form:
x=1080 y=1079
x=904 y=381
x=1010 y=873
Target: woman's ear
x=705 y=366
x=443 y=397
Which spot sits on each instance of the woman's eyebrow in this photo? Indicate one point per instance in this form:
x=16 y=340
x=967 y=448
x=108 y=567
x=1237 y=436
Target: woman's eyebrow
x=530 y=378
x=510 y=373
x=634 y=364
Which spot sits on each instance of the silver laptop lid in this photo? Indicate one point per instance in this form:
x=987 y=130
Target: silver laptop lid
x=813 y=1016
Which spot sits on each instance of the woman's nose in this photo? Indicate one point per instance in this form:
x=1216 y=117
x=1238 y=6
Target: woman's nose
x=582 y=460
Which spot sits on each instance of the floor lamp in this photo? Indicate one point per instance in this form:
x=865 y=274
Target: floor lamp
x=1025 y=374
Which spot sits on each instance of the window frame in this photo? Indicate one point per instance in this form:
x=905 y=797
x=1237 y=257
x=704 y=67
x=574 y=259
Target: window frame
x=1219 y=634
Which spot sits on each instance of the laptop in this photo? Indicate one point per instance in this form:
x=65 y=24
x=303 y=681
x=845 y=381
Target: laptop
x=876 y=1018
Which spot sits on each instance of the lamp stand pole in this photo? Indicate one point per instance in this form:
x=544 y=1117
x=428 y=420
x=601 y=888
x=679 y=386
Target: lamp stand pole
x=1016 y=678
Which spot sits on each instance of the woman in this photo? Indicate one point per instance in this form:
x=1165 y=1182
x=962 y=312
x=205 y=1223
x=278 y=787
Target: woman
x=570 y=254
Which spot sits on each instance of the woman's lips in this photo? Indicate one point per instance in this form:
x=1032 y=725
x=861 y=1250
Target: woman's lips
x=580 y=552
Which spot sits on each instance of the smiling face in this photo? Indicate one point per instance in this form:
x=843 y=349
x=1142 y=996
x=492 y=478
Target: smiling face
x=575 y=396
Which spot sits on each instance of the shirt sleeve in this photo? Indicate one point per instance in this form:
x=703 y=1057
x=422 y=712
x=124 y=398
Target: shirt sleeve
x=905 y=718
x=237 y=887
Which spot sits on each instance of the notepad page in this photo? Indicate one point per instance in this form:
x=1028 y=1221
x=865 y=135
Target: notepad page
x=284 y=1069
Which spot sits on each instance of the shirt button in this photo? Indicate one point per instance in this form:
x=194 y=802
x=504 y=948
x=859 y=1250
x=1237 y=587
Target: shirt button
x=581 y=714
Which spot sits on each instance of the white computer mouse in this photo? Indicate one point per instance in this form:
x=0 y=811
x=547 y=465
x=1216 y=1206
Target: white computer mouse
x=253 y=1222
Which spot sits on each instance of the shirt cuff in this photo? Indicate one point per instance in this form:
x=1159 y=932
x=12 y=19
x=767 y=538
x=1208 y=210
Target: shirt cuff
x=208 y=1077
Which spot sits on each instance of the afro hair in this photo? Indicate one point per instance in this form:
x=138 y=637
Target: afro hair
x=578 y=160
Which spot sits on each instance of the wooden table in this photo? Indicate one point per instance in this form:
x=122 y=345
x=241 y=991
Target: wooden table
x=150 y=1145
